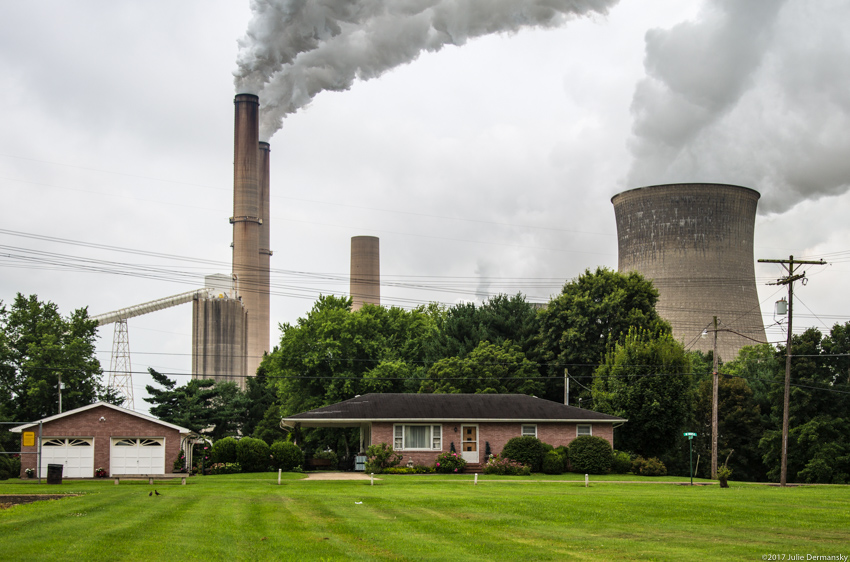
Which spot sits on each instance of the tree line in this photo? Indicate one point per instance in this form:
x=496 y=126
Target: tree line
x=603 y=328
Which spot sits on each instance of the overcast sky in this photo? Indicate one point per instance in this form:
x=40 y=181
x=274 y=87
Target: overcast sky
x=484 y=166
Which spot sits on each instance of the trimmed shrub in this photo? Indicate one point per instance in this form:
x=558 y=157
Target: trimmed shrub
x=225 y=468
x=622 y=463
x=449 y=462
x=381 y=457
x=526 y=450
x=253 y=454
x=649 y=467
x=286 y=455
x=553 y=463
x=591 y=454
x=224 y=450
x=506 y=467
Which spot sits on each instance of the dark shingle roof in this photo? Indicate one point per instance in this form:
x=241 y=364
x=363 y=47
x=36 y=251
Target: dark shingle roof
x=449 y=407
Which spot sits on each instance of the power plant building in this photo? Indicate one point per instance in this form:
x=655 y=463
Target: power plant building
x=219 y=333
x=695 y=242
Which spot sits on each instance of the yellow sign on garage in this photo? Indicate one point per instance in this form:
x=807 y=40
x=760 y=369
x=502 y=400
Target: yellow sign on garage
x=29 y=438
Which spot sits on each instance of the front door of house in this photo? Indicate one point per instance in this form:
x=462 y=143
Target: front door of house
x=469 y=443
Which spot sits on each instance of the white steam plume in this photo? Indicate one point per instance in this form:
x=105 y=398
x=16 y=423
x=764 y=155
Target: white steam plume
x=750 y=93
x=294 y=49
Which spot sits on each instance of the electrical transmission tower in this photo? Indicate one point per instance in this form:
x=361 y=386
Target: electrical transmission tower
x=120 y=372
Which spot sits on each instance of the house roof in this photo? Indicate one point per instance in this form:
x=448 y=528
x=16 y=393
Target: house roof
x=20 y=428
x=445 y=407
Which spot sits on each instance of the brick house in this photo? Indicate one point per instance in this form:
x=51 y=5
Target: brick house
x=102 y=435
x=421 y=426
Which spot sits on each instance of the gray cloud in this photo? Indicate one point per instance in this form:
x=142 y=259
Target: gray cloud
x=751 y=93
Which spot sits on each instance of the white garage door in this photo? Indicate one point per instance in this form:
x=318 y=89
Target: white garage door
x=76 y=454
x=137 y=455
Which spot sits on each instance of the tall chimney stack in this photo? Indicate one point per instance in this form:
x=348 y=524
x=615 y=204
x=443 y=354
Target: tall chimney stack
x=365 y=282
x=265 y=251
x=246 y=218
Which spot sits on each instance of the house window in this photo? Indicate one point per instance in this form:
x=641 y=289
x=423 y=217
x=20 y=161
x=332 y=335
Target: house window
x=529 y=431
x=422 y=437
x=583 y=430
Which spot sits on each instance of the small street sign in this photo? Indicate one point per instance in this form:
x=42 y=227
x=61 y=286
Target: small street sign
x=690 y=435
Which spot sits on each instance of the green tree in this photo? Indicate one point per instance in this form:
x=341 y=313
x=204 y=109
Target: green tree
x=646 y=379
x=37 y=347
x=819 y=426
x=739 y=427
x=260 y=396
x=501 y=318
x=489 y=368
x=759 y=365
x=592 y=313
x=334 y=354
x=202 y=405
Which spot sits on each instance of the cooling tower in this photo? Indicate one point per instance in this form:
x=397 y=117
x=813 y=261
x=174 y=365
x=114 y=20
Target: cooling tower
x=247 y=219
x=219 y=334
x=365 y=271
x=695 y=241
x=263 y=311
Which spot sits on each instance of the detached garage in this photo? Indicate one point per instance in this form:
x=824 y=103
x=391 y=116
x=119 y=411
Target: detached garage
x=102 y=435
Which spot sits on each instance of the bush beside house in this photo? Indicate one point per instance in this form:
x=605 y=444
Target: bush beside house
x=380 y=457
x=526 y=450
x=591 y=455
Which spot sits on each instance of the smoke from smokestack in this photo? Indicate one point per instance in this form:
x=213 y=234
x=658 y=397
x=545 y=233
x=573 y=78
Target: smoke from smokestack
x=294 y=49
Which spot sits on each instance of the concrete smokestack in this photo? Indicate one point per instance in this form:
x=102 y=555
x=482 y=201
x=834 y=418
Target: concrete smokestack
x=264 y=309
x=246 y=217
x=695 y=241
x=365 y=271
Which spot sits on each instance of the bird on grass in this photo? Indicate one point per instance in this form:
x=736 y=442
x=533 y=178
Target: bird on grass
x=150 y=493
x=157 y=493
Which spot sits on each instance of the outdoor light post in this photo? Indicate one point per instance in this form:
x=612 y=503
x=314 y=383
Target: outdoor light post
x=690 y=437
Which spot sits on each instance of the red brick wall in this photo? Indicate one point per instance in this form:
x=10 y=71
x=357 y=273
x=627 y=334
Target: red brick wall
x=117 y=424
x=498 y=434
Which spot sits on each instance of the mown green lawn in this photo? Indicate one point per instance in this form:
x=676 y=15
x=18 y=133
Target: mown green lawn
x=432 y=517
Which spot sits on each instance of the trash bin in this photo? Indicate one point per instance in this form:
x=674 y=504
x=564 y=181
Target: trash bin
x=54 y=473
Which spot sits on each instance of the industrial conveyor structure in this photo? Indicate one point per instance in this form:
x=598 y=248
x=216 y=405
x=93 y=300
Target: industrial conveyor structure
x=120 y=372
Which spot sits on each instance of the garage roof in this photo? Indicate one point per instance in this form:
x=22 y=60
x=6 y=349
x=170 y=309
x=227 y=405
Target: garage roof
x=20 y=428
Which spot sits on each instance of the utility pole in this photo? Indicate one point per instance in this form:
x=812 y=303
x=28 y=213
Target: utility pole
x=789 y=279
x=715 y=392
x=566 y=387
